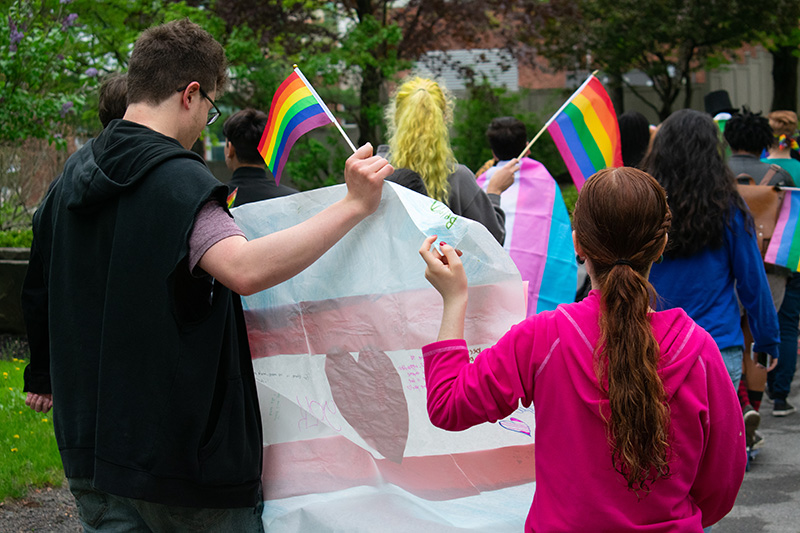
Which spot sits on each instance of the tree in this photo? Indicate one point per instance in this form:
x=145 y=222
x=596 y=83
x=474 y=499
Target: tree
x=366 y=43
x=667 y=40
x=52 y=55
x=783 y=42
x=473 y=115
x=43 y=76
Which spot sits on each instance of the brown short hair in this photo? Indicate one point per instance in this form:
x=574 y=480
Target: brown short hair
x=113 y=98
x=243 y=130
x=168 y=57
x=783 y=122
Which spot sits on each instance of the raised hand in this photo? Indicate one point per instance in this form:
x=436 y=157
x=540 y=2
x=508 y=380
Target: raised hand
x=364 y=174
x=503 y=177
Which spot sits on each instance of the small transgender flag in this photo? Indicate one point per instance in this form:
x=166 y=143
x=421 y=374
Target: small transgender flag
x=784 y=247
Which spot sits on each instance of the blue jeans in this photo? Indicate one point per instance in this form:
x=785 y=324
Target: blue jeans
x=100 y=511
x=780 y=379
x=733 y=363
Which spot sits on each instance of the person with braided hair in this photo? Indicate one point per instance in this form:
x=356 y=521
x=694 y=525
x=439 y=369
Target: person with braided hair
x=749 y=135
x=779 y=380
x=638 y=427
x=784 y=131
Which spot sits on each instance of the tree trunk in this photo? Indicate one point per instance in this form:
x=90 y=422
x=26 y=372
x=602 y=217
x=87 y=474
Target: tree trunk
x=617 y=92
x=687 y=95
x=784 y=78
x=369 y=116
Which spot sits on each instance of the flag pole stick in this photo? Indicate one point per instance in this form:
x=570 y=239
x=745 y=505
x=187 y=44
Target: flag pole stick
x=324 y=107
x=560 y=109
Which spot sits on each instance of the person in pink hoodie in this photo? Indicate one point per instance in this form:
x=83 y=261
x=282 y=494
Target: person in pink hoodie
x=638 y=427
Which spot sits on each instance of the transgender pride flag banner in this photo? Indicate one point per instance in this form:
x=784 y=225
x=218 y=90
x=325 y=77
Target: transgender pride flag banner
x=348 y=445
x=538 y=235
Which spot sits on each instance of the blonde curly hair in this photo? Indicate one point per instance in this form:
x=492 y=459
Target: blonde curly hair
x=418 y=117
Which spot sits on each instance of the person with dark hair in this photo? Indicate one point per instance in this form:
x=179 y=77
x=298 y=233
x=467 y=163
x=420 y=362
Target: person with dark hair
x=712 y=243
x=634 y=403
x=537 y=226
x=507 y=137
x=134 y=319
x=409 y=179
x=251 y=180
x=634 y=133
x=113 y=98
x=749 y=134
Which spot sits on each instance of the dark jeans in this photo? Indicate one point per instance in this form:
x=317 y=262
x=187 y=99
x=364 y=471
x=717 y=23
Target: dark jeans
x=100 y=511
x=780 y=379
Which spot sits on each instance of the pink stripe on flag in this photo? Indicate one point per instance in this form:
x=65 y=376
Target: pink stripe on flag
x=482 y=179
x=780 y=226
x=777 y=235
x=572 y=166
x=533 y=214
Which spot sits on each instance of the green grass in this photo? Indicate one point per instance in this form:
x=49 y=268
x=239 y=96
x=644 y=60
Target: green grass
x=28 y=453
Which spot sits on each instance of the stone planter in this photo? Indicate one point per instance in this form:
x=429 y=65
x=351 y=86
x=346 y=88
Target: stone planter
x=13 y=266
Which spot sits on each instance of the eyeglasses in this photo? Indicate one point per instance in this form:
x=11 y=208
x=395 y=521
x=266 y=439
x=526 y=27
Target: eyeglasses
x=214 y=113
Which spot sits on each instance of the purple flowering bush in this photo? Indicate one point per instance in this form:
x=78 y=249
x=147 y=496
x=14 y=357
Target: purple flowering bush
x=44 y=75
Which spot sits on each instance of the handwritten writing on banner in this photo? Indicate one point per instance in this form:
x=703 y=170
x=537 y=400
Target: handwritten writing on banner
x=440 y=209
x=315 y=412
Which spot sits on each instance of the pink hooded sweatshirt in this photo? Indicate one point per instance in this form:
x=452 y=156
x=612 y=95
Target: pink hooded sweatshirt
x=548 y=359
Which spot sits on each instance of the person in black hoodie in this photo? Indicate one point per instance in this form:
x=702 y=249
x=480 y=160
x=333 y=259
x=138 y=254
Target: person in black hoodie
x=251 y=180
x=134 y=320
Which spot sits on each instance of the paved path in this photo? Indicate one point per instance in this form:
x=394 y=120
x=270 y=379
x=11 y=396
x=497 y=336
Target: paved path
x=769 y=500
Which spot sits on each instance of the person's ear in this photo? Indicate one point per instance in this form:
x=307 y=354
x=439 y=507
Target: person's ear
x=230 y=151
x=576 y=245
x=191 y=91
x=666 y=240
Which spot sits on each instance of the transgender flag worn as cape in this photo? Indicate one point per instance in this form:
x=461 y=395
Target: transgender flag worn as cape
x=538 y=235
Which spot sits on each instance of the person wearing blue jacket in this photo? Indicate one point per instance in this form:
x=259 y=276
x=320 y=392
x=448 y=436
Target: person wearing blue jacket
x=713 y=255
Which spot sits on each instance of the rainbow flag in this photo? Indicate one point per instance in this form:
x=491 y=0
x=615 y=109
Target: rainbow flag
x=784 y=246
x=586 y=132
x=296 y=109
x=232 y=198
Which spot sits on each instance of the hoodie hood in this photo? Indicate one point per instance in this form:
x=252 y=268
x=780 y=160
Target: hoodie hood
x=116 y=160
x=680 y=339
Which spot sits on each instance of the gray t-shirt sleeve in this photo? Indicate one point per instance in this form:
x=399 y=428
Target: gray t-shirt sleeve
x=211 y=225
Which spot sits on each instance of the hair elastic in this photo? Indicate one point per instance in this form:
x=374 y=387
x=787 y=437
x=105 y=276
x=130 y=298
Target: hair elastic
x=623 y=262
x=785 y=142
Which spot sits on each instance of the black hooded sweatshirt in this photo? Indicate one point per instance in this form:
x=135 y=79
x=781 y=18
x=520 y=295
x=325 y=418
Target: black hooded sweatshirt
x=153 y=390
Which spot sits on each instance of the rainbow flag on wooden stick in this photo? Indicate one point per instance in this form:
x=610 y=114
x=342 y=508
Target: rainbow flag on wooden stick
x=586 y=131
x=296 y=109
x=784 y=246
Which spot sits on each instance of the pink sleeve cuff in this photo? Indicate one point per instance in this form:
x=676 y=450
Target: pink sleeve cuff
x=443 y=346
